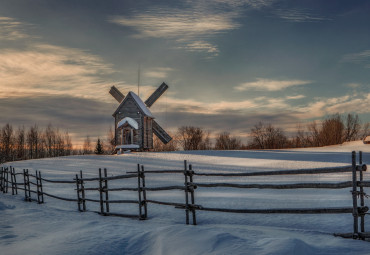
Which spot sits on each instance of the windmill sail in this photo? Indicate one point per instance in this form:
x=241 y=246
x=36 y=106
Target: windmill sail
x=160 y=133
x=151 y=100
x=116 y=94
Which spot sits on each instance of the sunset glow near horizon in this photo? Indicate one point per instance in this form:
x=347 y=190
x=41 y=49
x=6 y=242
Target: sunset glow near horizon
x=229 y=63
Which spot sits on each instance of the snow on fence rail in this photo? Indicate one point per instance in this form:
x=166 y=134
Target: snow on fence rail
x=358 y=211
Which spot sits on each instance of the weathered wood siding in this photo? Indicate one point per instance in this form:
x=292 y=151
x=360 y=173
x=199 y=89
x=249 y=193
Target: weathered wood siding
x=129 y=109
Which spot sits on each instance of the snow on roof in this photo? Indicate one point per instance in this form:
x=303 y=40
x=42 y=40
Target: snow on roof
x=138 y=102
x=128 y=121
x=141 y=104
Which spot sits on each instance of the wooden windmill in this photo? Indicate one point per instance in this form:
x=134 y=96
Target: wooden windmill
x=134 y=123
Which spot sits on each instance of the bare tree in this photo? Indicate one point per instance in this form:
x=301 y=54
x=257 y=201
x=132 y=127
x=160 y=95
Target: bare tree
x=21 y=143
x=352 y=127
x=332 y=130
x=365 y=130
x=225 y=142
x=191 y=138
x=158 y=145
x=68 y=144
x=87 y=148
x=110 y=143
x=33 y=142
x=7 y=142
x=268 y=137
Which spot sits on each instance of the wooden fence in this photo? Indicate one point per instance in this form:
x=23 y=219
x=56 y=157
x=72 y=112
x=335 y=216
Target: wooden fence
x=357 y=209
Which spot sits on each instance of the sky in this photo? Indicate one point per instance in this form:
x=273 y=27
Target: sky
x=229 y=63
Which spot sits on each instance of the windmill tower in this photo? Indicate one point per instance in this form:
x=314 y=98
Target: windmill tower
x=134 y=123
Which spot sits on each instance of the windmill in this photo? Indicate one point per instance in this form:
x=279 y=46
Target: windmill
x=134 y=123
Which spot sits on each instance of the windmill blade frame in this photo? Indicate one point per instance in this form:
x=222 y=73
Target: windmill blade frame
x=116 y=94
x=156 y=94
x=161 y=133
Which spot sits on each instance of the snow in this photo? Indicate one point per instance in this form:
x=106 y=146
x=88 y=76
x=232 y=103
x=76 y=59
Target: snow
x=56 y=227
x=128 y=121
x=141 y=104
x=128 y=146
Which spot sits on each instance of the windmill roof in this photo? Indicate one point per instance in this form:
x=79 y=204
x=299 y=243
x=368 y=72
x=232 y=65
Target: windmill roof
x=138 y=102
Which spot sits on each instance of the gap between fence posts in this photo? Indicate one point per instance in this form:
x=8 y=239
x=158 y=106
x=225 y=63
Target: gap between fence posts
x=354 y=196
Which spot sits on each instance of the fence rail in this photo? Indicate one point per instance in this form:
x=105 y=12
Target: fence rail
x=103 y=181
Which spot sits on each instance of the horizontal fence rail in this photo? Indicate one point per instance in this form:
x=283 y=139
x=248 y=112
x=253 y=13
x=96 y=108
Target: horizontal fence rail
x=98 y=189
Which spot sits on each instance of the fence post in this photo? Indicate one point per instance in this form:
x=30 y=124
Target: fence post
x=41 y=189
x=29 y=186
x=101 y=193
x=106 y=191
x=78 y=193
x=1 y=178
x=362 y=194
x=186 y=192
x=139 y=192
x=354 y=196
x=12 y=180
x=7 y=180
x=144 y=193
x=25 y=185
x=82 y=186
x=192 y=194
x=15 y=181
x=37 y=188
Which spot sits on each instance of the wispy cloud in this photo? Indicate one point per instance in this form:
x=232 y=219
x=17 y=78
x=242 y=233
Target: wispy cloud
x=299 y=15
x=270 y=85
x=295 y=97
x=357 y=57
x=158 y=72
x=48 y=69
x=191 y=27
x=179 y=24
x=11 y=29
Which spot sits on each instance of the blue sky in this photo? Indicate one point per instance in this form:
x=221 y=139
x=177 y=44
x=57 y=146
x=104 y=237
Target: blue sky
x=229 y=63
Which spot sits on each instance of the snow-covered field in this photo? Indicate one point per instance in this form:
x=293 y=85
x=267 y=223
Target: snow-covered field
x=56 y=227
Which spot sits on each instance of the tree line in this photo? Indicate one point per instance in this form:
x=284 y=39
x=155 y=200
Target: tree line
x=35 y=142
x=334 y=129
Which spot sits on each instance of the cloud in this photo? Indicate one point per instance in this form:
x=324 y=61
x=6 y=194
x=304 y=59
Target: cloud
x=356 y=57
x=295 y=97
x=299 y=15
x=11 y=29
x=48 y=69
x=202 y=46
x=270 y=85
x=158 y=72
x=192 y=26
x=178 y=24
x=80 y=116
x=323 y=106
